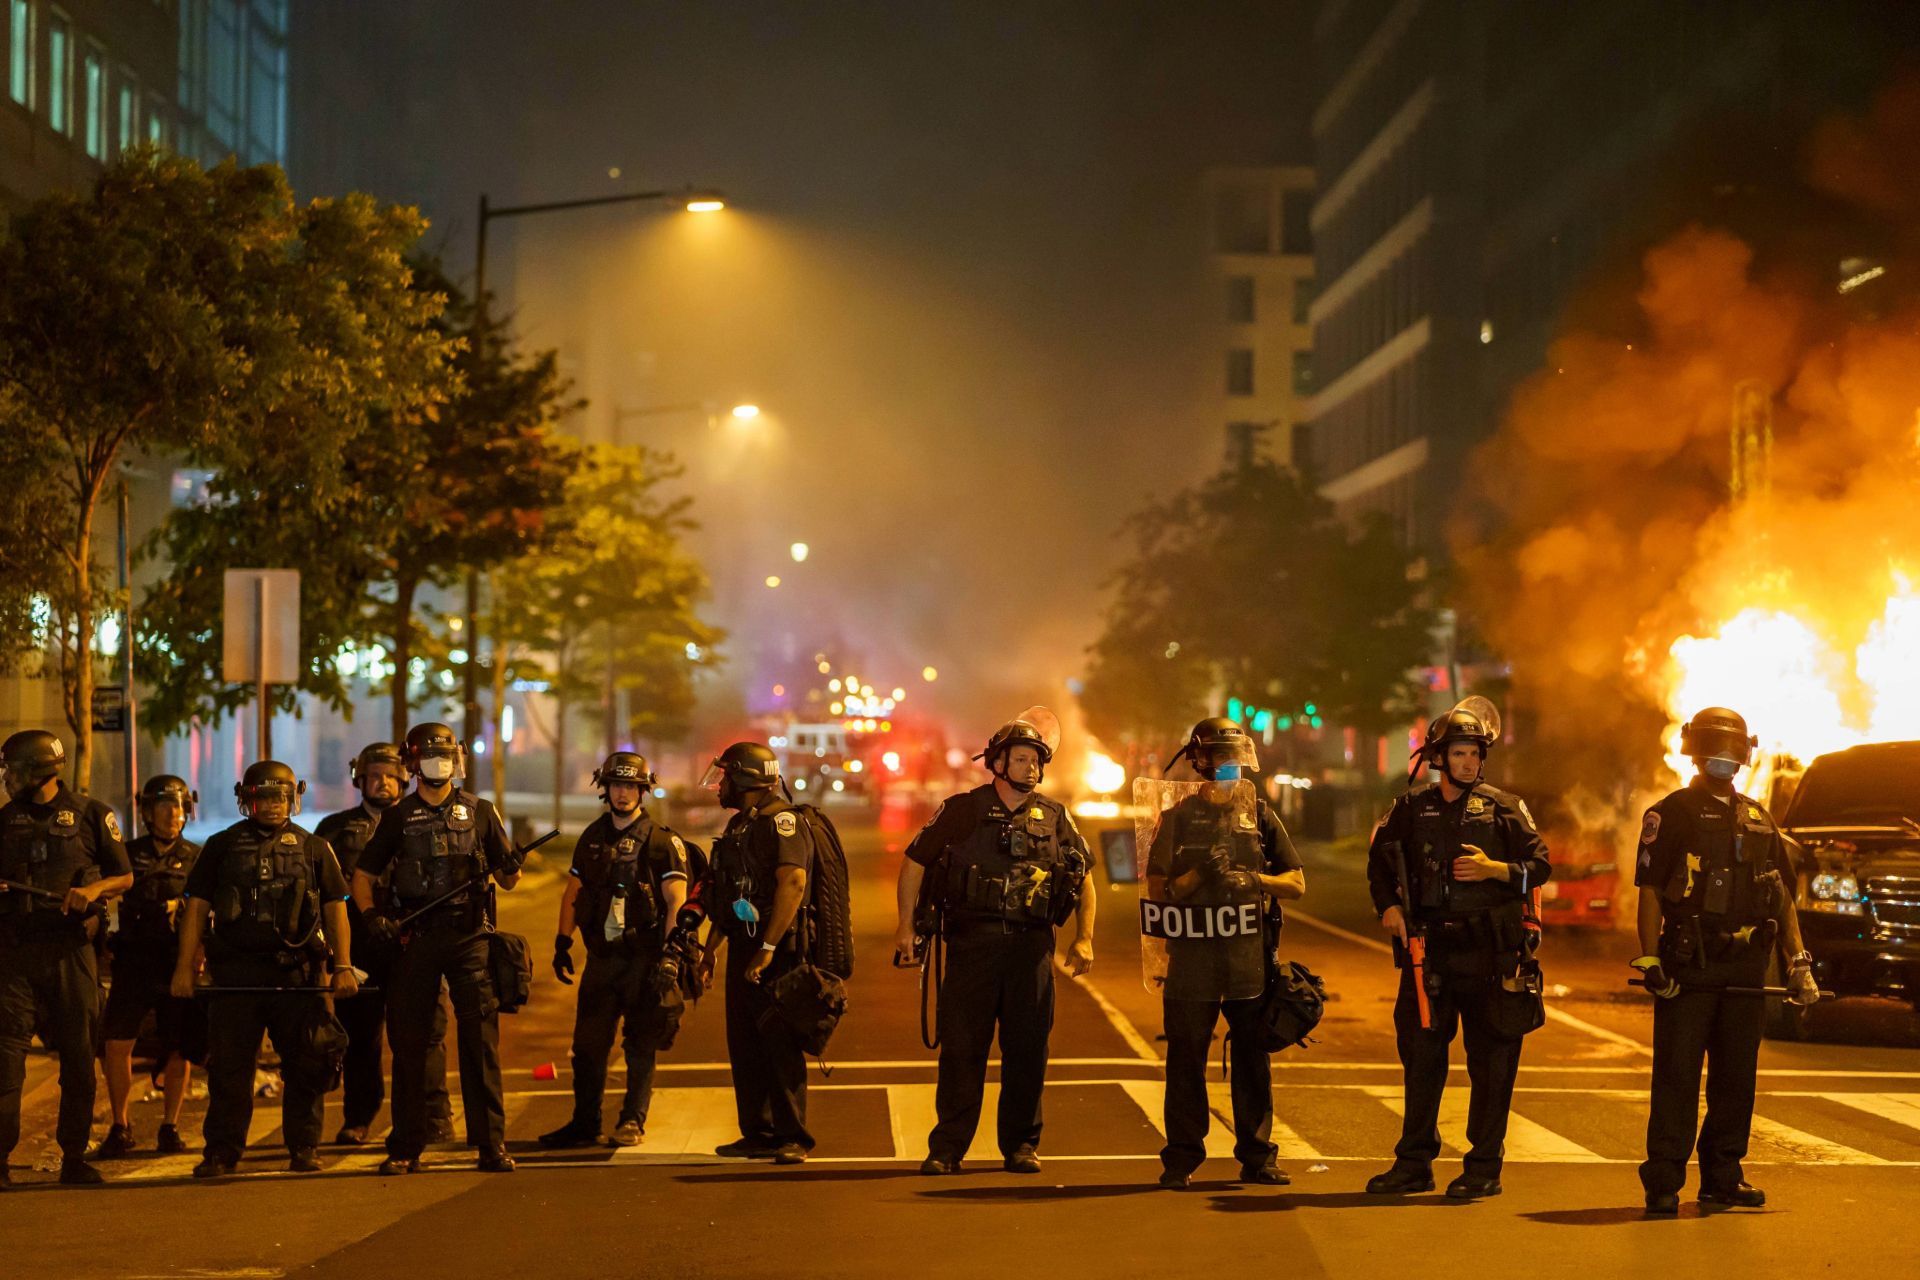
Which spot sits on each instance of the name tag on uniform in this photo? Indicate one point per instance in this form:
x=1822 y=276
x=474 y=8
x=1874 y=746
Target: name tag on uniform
x=1173 y=920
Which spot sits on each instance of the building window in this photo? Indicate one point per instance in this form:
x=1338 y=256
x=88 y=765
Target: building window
x=1303 y=295
x=20 y=52
x=1303 y=373
x=59 y=103
x=156 y=122
x=1239 y=299
x=127 y=112
x=1242 y=219
x=93 y=102
x=1296 y=222
x=1240 y=372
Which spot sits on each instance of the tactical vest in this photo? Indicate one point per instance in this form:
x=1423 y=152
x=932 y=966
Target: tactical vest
x=1007 y=869
x=46 y=850
x=618 y=907
x=439 y=852
x=1200 y=831
x=160 y=880
x=1725 y=878
x=265 y=899
x=1435 y=833
x=733 y=876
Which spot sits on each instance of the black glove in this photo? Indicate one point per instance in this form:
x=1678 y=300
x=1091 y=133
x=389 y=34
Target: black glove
x=382 y=926
x=1656 y=979
x=563 y=959
x=1220 y=862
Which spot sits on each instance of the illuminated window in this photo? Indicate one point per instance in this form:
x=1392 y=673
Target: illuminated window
x=127 y=113
x=20 y=52
x=93 y=104
x=59 y=105
x=156 y=122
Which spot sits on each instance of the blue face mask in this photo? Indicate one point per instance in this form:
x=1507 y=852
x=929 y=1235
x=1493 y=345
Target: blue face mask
x=1226 y=773
x=1722 y=770
x=744 y=911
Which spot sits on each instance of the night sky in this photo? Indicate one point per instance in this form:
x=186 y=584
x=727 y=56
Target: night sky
x=961 y=274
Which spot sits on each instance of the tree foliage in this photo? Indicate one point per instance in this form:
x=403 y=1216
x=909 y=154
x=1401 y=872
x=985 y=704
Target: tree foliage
x=1245 y=585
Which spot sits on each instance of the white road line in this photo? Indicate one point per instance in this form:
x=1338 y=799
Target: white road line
x=1528 y=1141
x=911 y=1116
x=689 y=1121
x=928 y=1063
x=1560 y=1016
x=1141 y=1046
x=1900 y=1108
x=1807 y=1148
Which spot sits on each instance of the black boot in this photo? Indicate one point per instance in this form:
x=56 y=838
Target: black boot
x=573 y=1133
x=1399 y=1182
x=1740 y=1196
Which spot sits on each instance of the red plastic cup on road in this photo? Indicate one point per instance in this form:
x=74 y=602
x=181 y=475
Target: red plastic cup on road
x=546 y=1071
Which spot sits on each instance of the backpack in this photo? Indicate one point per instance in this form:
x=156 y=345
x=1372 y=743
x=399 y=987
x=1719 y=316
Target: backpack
x=829 y=907
x=1291 y=1008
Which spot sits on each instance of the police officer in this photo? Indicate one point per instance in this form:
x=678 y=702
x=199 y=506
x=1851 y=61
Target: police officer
x=759 y=880
x=442 y=843
x=1471 y=858
x=144 y=948
x=1002 y=865
x=268 y=899
x=63 y=857
x=1713 y=874
x=379 y=774
x=1221 y=843
x=624 y=890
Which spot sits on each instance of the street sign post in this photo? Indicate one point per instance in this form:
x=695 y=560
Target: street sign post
x=260 y=636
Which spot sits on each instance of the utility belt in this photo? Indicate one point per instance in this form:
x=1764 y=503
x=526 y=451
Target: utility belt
x=464 y=914
x=291 y=960
x=1700 y=941
x=1022 y=895
x=1496 y=929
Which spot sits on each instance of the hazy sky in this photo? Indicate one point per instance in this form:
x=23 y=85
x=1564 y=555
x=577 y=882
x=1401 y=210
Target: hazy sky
x=961 y=274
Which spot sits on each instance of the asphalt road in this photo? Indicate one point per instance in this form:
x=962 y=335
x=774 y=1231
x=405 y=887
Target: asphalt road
x=1837 y=1146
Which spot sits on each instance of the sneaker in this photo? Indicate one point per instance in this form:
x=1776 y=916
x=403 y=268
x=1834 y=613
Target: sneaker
x=351 y=1135
x=168 y=1141
x=791 y=1153
x=572 y=1134
x=628 y=1133
x=303 y=1160
x=75 y=1172
x=118 y=1142
x=393 y=1166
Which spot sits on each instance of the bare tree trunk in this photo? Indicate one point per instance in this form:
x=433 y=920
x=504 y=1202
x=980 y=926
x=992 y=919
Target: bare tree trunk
x=559 y=757
x=80 y=708
x=404 y=589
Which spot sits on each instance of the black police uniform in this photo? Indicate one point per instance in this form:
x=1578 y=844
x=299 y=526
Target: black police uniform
x=1190 y=1004
x=1720 y=868
x=430 y=850
x=144 y=950
x=769 y=1066
x=264 y=888
x=49 y=978
x=363 y=1085
x=621 y=913
x=1476 y=935
x=1002 y=879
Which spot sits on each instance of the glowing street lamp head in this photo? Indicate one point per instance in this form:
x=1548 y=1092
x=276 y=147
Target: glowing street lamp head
x=705 y=202
x=745 y=412
x=799 y=551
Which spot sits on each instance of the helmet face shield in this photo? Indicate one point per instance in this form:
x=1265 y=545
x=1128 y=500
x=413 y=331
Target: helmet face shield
x=712 y=778
x=1239 y=755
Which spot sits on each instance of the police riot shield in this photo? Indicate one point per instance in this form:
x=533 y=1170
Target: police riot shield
x=1202 y=912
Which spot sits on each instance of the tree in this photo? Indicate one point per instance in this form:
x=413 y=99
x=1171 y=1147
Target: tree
x=1246 y=585
x=190 y=312
x=420 y=496
x=617 y=591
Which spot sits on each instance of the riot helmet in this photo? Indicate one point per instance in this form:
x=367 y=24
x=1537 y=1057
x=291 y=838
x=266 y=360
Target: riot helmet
x=1474 y=720
x=1717 y=740
x=739 y=771
x=1219 y=750
x=32 y=756
x=1036 y=727
x=364 y=779
x=267 y=780
x=433 y=753
x=624 y=766
x=166 y=788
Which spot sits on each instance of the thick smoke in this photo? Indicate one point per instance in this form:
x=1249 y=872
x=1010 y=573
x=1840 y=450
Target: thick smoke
x=1603 y=524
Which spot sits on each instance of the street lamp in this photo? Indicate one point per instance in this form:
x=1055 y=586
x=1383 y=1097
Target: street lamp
x=693 y=200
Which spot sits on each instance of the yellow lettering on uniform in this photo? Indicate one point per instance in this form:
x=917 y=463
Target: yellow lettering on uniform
x=1693 y=865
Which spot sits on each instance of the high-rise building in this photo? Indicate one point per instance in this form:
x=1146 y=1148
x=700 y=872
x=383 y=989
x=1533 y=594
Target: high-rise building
x=233 y=80
x=1476 y=158
x=1261 y=268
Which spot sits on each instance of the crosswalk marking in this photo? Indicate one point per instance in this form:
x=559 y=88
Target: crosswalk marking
x=689 y=1121
x=1900 y=1108
x=911 y=1115
x=1807 y=1148
x=1527 y=1140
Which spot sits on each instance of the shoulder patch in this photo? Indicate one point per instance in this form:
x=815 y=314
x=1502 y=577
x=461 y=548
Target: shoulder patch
x=679 y=845
x=111 y=823
x=1650 y=827
x=786 y=823
x=1525 y=812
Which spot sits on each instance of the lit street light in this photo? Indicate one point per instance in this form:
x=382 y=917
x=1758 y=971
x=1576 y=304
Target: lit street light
x=745 y=412
x=799 y=550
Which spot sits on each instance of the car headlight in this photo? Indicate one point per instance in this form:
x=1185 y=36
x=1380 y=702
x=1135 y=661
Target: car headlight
x=1836 y=892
